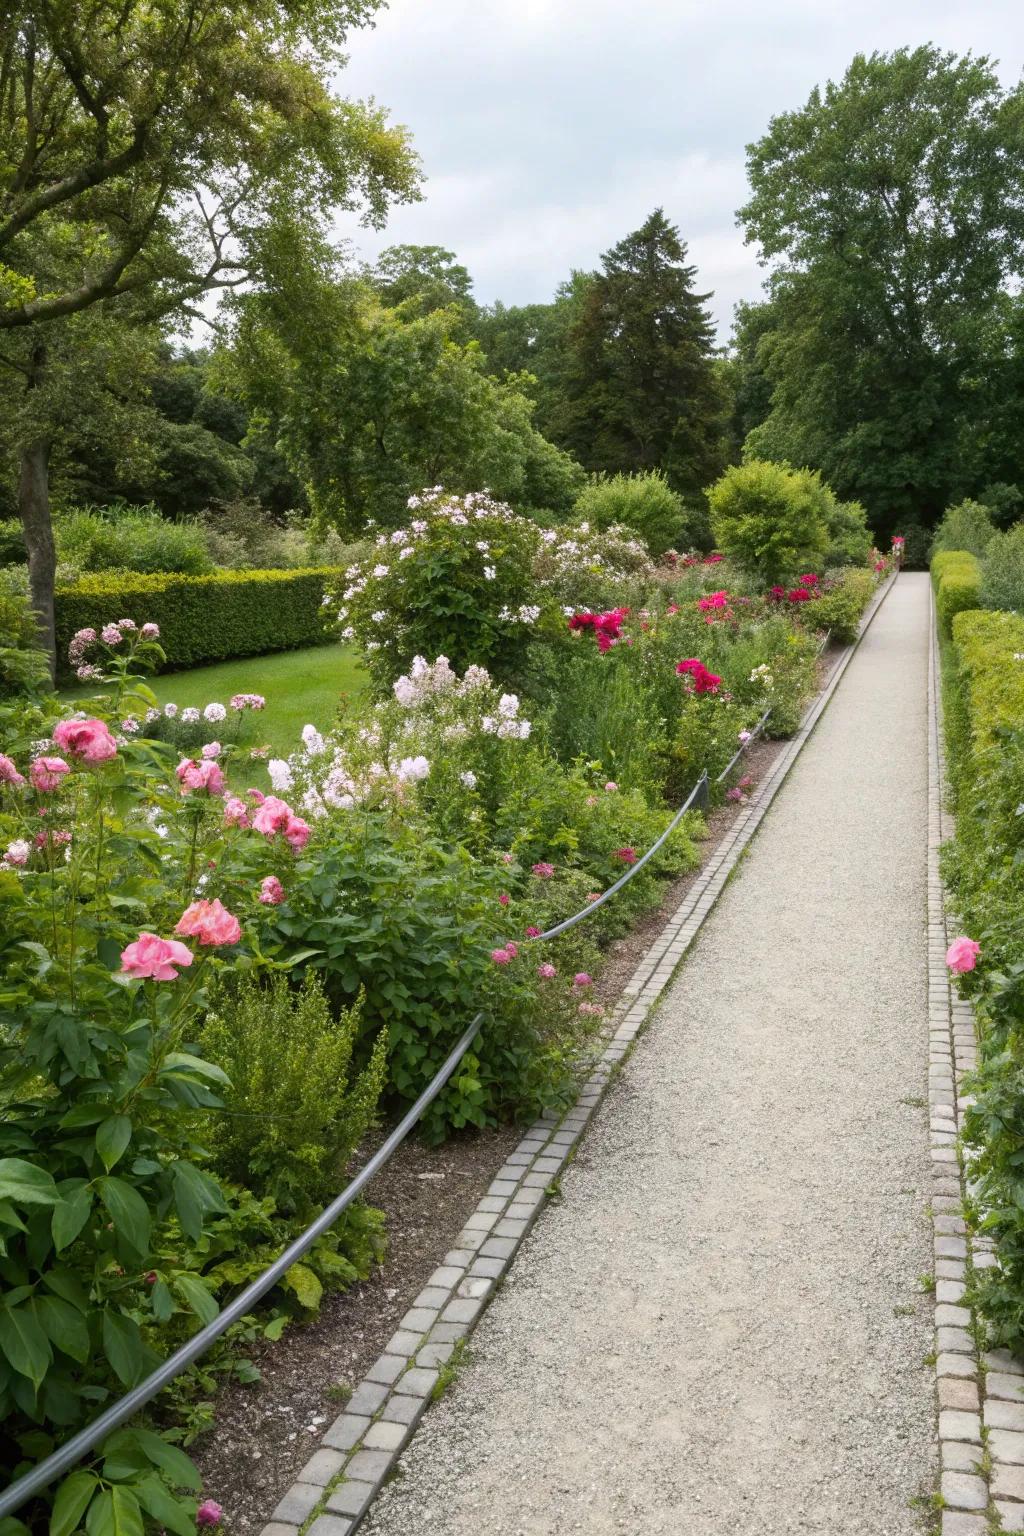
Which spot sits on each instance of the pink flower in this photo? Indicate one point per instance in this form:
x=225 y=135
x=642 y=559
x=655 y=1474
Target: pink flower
x=272 y=815
x=962 y=955
x=256 y=796
x=88 y=739
x=543 y=871
x=611 y=787
x=627 y=855
x=735 y=794
x=799 y=595
x=503 y=899
x=506 y=858
x=271 y=892
x=151 y=956
x=247 y=701
x=150 y=631
x=205 y=775
x=581 y=979
x=111 y=635
x=212 y=750
x=17 y=852
x=209 y=1513
x=297 y=833
x=501 y=956
x=8 y=771
x=745 y=782
x=546 y=971
x=593 y=1009
x=47 y=772
x=712 y=601
x=593 y=895
x=210 y=922
x=532 y=933
x=744 y=737
x=513 y=950
x=702 y=681
x=236 y=812
x=879 y=565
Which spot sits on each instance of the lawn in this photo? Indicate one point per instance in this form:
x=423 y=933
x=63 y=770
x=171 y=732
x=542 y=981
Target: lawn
x=299 y=687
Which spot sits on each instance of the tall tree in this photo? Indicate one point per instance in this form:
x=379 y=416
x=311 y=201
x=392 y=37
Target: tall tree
x=891 y=208
x=426 y=273
x=640 y=388
x=154 y=154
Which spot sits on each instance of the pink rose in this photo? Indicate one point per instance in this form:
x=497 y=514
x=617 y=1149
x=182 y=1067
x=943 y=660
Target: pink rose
x=195 y=776
x=210 y=922
x=272 y=816
x=236 y=812
x=8 y=772
x=547 y=970
x=962 y=955
x=271 y=892
x=581 y=979
x=209 y=1513
x=151 y=956
x=47 y=772
x=88 y=739
x=297 y=833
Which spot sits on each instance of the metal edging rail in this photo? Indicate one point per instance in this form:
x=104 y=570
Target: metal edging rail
x=86 y=1439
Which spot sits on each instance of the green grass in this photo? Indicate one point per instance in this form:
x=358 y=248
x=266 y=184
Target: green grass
x=300 y=687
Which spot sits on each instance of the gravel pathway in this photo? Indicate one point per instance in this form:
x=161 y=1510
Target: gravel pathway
x=718 y=1330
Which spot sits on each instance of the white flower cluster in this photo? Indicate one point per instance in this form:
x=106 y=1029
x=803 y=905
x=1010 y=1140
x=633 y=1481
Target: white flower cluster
x=426 y=679
x=526 y=613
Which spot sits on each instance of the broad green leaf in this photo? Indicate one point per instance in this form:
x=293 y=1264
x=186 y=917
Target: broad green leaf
x=112 y=1137
x=24 y=1344
x=304 y=1284
x=171 y=1513
x=70 y=1216
x=194 y=1196
x=122 y=1345
x=64 y=1325
x=114 y=1512
x=25 y=1183
x=108 y=952
x=197 y=1297
x=179 y=1469
x=71 y=1502
x=127 y=1211
x=181 y=1061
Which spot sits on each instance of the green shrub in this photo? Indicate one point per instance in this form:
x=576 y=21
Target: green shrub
x=293 y=1115
x=956 y=575
x=770 y=520
x=12 y=542
x=644 y=502
x=132 y=539
x=1002 y=571
x=849 y=537
x=987 y=646
x=841 y=604
x=204 y=618
x=24 y=667
x=916 y=546
x=967 y=526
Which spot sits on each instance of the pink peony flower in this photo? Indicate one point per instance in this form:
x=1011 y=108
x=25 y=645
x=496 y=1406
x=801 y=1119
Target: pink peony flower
x=581 y=979
x=236 y=812
x=627 y=855
x=543 y=871
x=210 y=922
x=17 y=852
x=500 y=956
x=256 y=796
x=195 y=776
x=8 y=771
x=47 y=772
x=503 y=899
x=297 y=833
x=153 y=957
x=88 y=739
x=212 y=750
x=272 y=815
x=532 y=932
x=546 y=971
x=962 y=955
x=611 y=787
x=271 y=892
x=209 y=1513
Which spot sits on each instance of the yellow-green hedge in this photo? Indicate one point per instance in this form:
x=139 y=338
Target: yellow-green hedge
x=204 y=618
x=957 y=578
x=986 y=644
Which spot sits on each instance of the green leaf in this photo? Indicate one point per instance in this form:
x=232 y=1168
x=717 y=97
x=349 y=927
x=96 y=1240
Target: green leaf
x=194 y=1196
x=24 y=1344
x=71 y=1502
x=171 y=1513
x=122 y=1345
x=108 y=952
x=161 y=1301
x=127 y=1211
x=275 y=1327
x=181 y=1061
x=115 y=1512
x=64 y=1325
x=180 y=1471
x=112 y=1137
x=25 y=1183
x=304 y=1284
x=70 y=1216
x=194 y=1292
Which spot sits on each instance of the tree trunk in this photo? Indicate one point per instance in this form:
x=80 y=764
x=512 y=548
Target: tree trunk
x=34 y=506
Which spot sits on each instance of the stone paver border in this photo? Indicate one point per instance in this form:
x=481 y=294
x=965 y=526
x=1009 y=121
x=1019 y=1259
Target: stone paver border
x=981 y=1408
x=360 y=1449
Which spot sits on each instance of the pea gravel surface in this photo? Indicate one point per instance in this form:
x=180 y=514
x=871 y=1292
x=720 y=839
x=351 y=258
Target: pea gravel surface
x=718 y=1330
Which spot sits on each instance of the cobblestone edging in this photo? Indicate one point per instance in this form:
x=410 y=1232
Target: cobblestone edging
x=981 y=1409
x=361 y=1448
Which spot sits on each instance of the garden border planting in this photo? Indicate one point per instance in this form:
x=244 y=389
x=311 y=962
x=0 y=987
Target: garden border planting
x=359 y=1450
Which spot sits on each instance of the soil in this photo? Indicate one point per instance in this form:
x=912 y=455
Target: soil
x=265 y=1432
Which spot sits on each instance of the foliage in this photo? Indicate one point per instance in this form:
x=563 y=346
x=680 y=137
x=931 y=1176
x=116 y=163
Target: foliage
x=1002 y=570
x=130 y=539
x=424 y=276
x=243 y=535
x=24 y=668
x=839 y=604
x=643 y=502
x=205 y=618
x=639 y=389
x=967 y=526
x=956 y=575
x=770 y=519
x=12 y=542
x=849 y=538
x=890 y=349
x=294 y=1112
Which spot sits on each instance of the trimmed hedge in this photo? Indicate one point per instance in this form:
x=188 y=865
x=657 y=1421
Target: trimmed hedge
x=957 y=578
x=205 y=618
x=990 y=679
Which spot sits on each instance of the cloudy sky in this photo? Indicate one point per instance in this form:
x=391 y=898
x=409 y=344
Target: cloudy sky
x=550 y=128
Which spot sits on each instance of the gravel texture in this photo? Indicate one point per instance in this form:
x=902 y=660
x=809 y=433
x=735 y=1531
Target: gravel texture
x=718 y=1328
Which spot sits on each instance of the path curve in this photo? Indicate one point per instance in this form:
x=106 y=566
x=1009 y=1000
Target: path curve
x=718 y=1331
